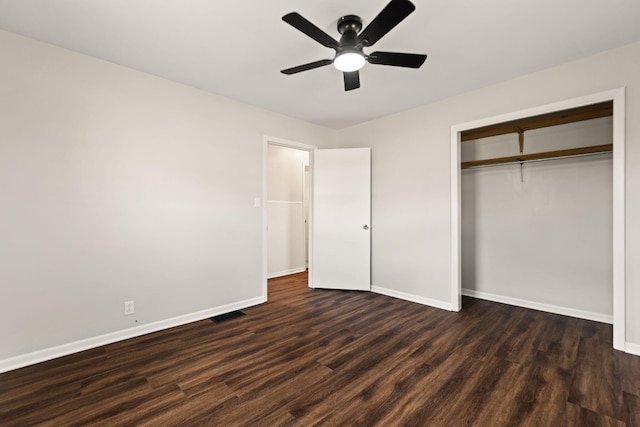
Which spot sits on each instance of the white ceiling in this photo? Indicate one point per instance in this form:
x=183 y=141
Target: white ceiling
x=236 y=48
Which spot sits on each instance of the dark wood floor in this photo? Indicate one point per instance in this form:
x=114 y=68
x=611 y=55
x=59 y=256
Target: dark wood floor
x=344 y=358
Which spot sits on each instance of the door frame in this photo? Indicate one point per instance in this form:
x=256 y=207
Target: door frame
x=266 y=141
x=619 y=230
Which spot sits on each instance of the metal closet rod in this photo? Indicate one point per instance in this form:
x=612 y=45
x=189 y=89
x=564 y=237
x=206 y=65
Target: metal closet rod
x=538 y=160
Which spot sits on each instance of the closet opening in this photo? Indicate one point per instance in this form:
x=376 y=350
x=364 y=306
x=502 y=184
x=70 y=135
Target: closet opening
x=538 y=197
x=537 y=225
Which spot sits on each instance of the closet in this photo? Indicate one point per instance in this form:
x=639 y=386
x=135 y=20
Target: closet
x=537 y=215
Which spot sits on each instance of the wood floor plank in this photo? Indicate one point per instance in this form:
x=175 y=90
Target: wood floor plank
x=631 y=409
x=628 y=363
x=381 y=396
x=586 y=418
x=597 y=380
x=494 y=379
x=323 y=357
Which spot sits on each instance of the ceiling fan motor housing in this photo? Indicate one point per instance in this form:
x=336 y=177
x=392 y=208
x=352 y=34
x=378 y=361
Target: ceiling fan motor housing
x=349 y=26
x=349 y=23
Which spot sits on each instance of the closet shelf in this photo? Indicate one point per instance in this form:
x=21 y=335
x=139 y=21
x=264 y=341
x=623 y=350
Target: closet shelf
x=546 y=155
x=589 y=112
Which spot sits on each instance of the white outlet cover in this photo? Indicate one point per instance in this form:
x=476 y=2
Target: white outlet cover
x=129 y=307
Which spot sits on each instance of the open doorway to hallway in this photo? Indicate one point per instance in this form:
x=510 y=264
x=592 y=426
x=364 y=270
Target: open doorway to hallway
x=287 y=211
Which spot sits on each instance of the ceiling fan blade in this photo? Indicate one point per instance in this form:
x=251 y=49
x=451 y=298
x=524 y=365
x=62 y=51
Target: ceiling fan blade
x=305 y=67
x=299 y=22
x=410 y=60
x=390 y=16
x=351 y=80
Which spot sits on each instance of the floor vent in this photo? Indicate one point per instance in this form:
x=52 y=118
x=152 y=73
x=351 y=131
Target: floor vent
x=227 y=316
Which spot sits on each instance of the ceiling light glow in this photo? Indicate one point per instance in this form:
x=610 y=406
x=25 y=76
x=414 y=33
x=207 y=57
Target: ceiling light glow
x=349 y=61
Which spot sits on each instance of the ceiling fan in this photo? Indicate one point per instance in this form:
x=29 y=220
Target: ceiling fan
x=349 y=57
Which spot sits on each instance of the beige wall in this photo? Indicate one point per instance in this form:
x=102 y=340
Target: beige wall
x=411 y=171
x=117 y=185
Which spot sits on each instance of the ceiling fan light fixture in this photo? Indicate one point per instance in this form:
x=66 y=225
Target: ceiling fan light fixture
x=349 y=61
x=349 y=57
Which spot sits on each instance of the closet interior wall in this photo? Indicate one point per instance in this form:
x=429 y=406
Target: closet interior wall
x=540 y=235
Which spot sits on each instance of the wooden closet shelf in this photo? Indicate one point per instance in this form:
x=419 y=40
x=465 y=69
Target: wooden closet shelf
x=589 y=112
x=539 y=156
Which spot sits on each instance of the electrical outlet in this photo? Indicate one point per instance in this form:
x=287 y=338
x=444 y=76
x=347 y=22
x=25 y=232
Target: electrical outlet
x=128 y=308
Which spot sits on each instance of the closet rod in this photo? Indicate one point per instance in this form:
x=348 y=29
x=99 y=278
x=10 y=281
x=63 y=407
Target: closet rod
x=538 y=160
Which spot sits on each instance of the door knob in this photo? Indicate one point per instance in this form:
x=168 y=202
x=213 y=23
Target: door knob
x=366 y=227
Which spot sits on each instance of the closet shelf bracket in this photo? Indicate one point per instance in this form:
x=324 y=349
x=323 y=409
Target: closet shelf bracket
x=521 y=144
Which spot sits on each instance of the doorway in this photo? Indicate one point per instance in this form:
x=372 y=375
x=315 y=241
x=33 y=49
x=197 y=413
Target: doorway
x=338 y=233
x=619 y=255
x=287 y=209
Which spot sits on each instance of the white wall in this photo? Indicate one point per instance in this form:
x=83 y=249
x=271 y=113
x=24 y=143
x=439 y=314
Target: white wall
x=411 y=161
x=286 y=212
x=117 y=185
x=545 y=240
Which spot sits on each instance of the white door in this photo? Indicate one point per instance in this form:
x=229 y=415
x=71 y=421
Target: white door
x=342 y=219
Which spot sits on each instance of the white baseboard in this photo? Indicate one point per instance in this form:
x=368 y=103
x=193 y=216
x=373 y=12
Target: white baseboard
x=86 y=344
x=632 y=348
x=580 y=314
x=413 y=298
x=286 y=272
